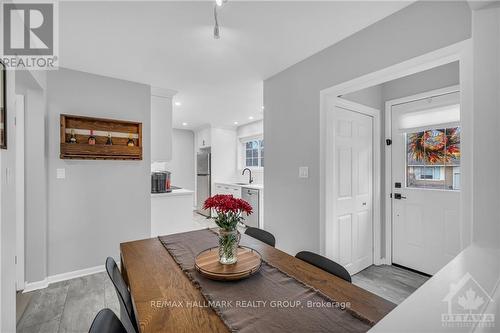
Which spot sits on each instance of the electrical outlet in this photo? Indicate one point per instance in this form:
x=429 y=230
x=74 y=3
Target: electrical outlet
x=304 y=172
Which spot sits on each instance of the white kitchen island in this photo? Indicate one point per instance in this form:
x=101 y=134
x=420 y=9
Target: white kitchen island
x=172 y=212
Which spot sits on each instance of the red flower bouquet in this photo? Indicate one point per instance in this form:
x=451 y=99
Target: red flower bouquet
x=229 y=210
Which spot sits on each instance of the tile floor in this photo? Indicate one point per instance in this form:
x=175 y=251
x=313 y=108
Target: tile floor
x=70 y=306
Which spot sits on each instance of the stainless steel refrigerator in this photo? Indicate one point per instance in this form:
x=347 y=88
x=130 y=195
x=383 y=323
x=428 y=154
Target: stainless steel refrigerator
x=203 y=181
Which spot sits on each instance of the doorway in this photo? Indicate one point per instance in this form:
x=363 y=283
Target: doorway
x=458 y=54
x=425 y=178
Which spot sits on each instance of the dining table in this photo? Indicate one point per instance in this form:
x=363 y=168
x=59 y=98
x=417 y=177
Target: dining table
x=153 y=276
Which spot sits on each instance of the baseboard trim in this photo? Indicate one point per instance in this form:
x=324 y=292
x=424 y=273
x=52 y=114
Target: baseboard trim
x=32 y=286
x=37 y=285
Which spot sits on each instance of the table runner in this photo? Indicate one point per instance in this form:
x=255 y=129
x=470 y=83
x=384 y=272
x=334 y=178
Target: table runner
x=268 y=301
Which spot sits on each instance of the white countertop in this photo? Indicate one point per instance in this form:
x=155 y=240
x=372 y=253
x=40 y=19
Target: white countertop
x=176 y=192
x=254 y=186
x=476 y=268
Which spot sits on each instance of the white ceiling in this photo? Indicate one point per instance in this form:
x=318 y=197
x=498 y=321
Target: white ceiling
x=170 y=45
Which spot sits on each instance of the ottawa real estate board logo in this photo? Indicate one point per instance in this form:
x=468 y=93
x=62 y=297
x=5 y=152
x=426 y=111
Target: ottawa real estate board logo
x=467 y=305
x=30 y=35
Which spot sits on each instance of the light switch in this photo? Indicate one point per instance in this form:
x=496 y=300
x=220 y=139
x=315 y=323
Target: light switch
x=304 y=172
x=61 y=173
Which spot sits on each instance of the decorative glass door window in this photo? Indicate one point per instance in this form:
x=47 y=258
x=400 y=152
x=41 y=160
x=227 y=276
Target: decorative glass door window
x=433 y=159
x=254 y=153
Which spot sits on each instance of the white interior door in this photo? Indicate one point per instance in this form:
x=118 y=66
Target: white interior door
x=19 y=174
x=426 y=182
x=353 y=189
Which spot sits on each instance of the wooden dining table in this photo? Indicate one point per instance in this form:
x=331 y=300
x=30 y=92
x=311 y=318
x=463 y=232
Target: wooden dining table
x=160 y=289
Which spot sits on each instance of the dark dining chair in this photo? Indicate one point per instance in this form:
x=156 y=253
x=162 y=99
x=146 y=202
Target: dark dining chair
x=126 y=308
x=107 y=322
x=261 y=235
x=325 y=264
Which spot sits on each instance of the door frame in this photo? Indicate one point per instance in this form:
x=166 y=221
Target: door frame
x=330 y=169
x=461 y=52
x=388 y=155
x=20 y=256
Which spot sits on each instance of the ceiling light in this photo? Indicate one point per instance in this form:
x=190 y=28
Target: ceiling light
x=219 y=2
x=236 y=123
x=178 y=103
x=184 y=124
x=250 y=118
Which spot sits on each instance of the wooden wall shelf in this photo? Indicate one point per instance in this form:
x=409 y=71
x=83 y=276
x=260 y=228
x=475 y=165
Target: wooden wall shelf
x=120 y=132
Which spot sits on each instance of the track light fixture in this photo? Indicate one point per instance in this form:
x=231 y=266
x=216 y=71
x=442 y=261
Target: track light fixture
x=216 y=27
x=218 y=3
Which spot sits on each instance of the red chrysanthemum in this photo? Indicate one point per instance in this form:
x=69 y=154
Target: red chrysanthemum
x=229 y=210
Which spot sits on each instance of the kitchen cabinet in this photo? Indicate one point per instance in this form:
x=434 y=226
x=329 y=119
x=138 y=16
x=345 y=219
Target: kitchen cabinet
x=172 y=212
x=228 y=189
x=204 y=137
x=252 y=193
x=161 y=124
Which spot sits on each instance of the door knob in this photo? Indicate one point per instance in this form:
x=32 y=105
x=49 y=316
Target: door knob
x=398 y=196
x=364 y=203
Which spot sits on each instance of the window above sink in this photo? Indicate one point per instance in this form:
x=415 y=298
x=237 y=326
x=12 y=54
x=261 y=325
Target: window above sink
x=252 y=152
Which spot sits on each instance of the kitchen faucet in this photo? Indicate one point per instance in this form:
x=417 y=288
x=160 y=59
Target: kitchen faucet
x=250 y=179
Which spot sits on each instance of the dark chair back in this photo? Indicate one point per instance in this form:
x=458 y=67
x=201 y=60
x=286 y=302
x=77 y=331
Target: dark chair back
x=107 y=322
x=126 y=308
x=325 y=264
x=261 y=235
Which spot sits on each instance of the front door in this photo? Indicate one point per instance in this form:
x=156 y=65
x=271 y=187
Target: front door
x=426 y=182
x=353 y=190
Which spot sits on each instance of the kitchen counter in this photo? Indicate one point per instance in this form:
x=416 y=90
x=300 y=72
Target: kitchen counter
x=171 y=212
x=180 y=191
x=239 y=190
x=254 y=186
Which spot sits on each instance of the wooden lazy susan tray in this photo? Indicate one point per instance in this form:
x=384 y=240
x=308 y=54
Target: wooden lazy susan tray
x=207 y=263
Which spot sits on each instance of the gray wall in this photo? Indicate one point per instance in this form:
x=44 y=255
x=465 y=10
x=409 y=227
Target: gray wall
x=8 y=217
x=486 y=186
x=36 y=189
x=371 y=96
x=431 y=79
x=291 y=99
x=100 y=203
x=182 y=163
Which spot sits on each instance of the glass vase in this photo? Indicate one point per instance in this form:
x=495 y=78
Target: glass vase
x=228 y=246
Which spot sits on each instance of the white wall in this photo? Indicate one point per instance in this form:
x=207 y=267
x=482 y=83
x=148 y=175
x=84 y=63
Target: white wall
x=161 y=125
x=100 y=203
x=292 y=121
x=251 y=129
x=223 y=148
x=244 y=131
x=182 y=163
